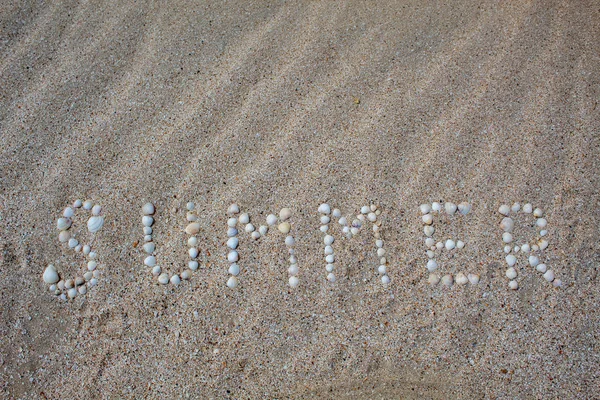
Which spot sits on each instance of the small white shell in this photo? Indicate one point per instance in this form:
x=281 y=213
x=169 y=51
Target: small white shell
x=504 y=210
x=233 y=209
x=511 y=260
x=163 y=279
x=87 y=205
x=431 y=265
x=538 y=213
x=263 y=229
x=50 y=275
x=95 y=223
x=175 y=280
x=533 y=261
x=232 y=282
x=96 y=210
x=149 y=247
x=450 y=208
x=328 y=240
x=293 y=281
x=331 y=277
x=234 y=269
x=233 y=243
x=192 y=228
x=63 y=224
x=425 y=208
x=231 y=232
x=513 y=285
x=549 y=275
x=433 y=279
x=435 y=206
x=428 y=230
x=473 y=278
x=271 y=219
x=233 y=256
x=193 y=252
x=461 y=279
x=507 y=224
x=447 y=280
x=385 y=279
x=147 y=220
x=64 y=236
x=148 y=209
x=290 y=241
x=185 y=275
x=284 y=227
x=244 y=218
x=528 y=208
x=324 y=208
x=285 y=214
x=69 y=212
x=293 y=269
x=541 y=268
x=511 y=273
x=464 y=208
x=507 y=237
x=450 y=244
x=427 y=219
x=150 y=261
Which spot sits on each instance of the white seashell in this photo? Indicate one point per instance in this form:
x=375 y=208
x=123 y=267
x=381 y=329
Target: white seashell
x=69 y=283
x=79 y=281
x=525 y=248
x=427 y=219
x=175 y=280
x=193 y=265
x=91 y=265
x=87 y=205
x=147 y=220
x=425 y=208
x=93 y=282
x=232 y=282
x=232 y=222
x=325 y=219
x=433 y=279
x=346 y=229
x=516 y=249
x=329 y=267
x=328 y=250
x=324 y=208
x=534 y=261
x=64 y=236
x=460 y=244
x=231 y=232
x=429 y=242
x=513 y=285
x=380 y=252
x=543 y=244
x=63 y=224
x=504 y=210
x=185 y=275
x=293 y=281
x=147 y=230
x=336 y=213
x=233 y=209
x=148 y=209
x=450 y=208
x=541 y=222
x=190 y=206
x=511 y=273
x=428 y=230
x=191 y=217
x=543 y=232
x=147 y=238
x=263 y=229
x=447 y=280
x=163 y=279
x=96 y=210
x=77 y=203
x=430 y=254
x=96 y=274
x=149 y=247
x=86 y=249
x=464 y=208
x=515 y=207
x=372 y=217
x=328 y=240
x=233 y=256
x=557 y=283
x=78 y=248
x=432 y=265
x=549 y=275
x=365 y=209
x=507 y=237
x=511 y=260
x=192 y=241
x=290 y=241
x=88 y=276
x=285 y=214
x=331 y=277
x=383 y=261
x=541 y=268
x=284 y=227
x=385 y=279
x=156 y=270
x=439 y=245
x=507 y=224
x=72 y=293
x=330 y=258
x=50 y=275
x=255 y=235
x=435 y=206
x=249 y=228
x=324 y=228
x=382 y=269
x=473 y=278
x=507 y=249
x=528 y=208
x=293 y=260
x=150 y=261
x=193 y=252
x=68 y=213
x=450 y=244
x=234 y=269
x=271 y=219
x=95 y=223
x=538 y=213
x=461 y=279
x=192 y=228
x=233 y=243
x=73 y=243
x=354 y=230
x=244 y=218
x=379 y=243
x=61 y=285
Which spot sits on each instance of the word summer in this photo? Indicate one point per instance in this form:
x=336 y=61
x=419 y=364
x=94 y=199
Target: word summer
x=238 y=222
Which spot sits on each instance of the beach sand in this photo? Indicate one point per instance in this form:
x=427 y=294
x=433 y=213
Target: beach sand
x=275 y=105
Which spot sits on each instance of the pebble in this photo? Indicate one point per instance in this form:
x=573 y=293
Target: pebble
x=513 y=285
x=232 y=282
x=96 y=210
x=95 y=223
x=271 y=219
x=147 y=220
x=50 y=275
x=175 y=280
x=148 y=209
x=294 y=281
x=163 y=279
x=233 y=243
x=63 y=224
x=285 y=214
x=324 y=208
x=284 y=227
x=244 y=218
x=528 y=208
x=87 y=205
x=233 y=209
x=450 y=208
x=511 y=260
x=511 y=273
x=507 y=224
x=234 y=269
x=233 y=256
x=461 y=279
x=504 y=210
x=192 y=228
x=464 y=208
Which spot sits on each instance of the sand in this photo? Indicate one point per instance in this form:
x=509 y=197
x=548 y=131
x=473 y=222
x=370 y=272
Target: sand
x=277 y=105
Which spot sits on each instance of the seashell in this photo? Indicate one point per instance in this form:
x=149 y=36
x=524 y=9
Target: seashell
x=324 y=208
x=525 y=248
x=185 y=275
x=271 y=219
x=435 y=206
x=263 y=229
x=473 y=278
x=365 y=209
x=380 y=252
x=147 y=220
x=425 y=208
x=156 y=271
x=328 y=240
x=192 y=241
x=244 y=218
x=69 y=283
x=63 y=224
x=249 y=228
x=73 y=243
x=233 y=209
x=192 y=228
x=447 y=280
x=293 y=281
x=147 y=238
x=385 y=279
x=77 y=203
x=233 y=243
x=79 y=281
x=541 y=222
x=87 y=249
x=507 y=237
x=91 y=265
x=232 y=222
x=549 y=275
x=427 y=219
x=190 y=206
x=93 y=282
x=450 y=208
x=511 y=260
x=87 y=276
x=61 y=285
x=150 y=261
x=233 y=256
x=372 y=217
x=290 y=241
x=460 y=244
x=433 y=279
x=515 y=207
x=234 y=269
x=331 y=277
x=50 y=275
x=95 y=223
x=538 y=213
x=382 y=269
x=511 y=273
x=431 y=265
x=148 y=209
x=87 y=205
x=325 y=219
x=504 y=210
x=429 y=242
x=513 y=285
x=330 y=258
x=541 y=268
x=507 y=224
x=528 y=208
x=72 y=293
x=96 y=210
x=191 y=217
x=193 y=265
x=461 y=279
x=163 y=279
x=543 y=232
x=193 y=252
x=284 y=227
x=379 y=243
x=464 y=208
x=336 y=213
x=450 y=244
x=285 y=214
x=64 y=236
x=69 y=212
x=329 y=267
x=533 y=261
x=557 y=283
x=428 y=230
x=232 y=282
x=175 y=280
x=147 y=230
x=543 y=244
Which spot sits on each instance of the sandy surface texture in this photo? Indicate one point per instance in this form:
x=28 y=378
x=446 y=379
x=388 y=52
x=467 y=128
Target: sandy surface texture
x=291 y=104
